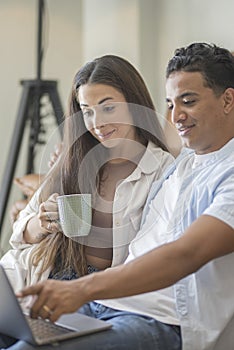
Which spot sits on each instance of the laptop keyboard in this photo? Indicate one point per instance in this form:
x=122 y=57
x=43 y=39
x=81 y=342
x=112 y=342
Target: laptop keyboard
x=42 y=329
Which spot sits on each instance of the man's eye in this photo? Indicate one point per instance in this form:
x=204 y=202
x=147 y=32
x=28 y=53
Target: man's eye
x=188 y=102
x=169 y=106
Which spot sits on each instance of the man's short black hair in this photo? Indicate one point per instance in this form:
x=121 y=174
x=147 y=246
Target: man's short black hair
x=216 y=64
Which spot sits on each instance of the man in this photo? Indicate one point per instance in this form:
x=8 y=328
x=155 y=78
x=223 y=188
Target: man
x=182 y=257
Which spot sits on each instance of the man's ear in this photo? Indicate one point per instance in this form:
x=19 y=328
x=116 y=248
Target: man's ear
x=228 y=100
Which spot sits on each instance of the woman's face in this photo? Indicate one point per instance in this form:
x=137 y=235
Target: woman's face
x=106 y=114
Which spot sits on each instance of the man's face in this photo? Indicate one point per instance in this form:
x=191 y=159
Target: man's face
x=198 y=114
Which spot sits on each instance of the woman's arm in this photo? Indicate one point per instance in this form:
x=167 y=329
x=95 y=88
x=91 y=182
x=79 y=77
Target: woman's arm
x=34 y=222
x=44 y=223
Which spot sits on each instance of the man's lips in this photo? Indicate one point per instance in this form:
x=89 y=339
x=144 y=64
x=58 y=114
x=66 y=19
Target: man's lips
x=184 y=129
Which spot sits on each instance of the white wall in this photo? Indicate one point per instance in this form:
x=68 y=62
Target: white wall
x=18 y=44
x=146 y=32
x=111 y=27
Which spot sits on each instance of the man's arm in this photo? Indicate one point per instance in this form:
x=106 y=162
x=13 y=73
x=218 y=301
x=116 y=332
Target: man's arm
x=206 y=239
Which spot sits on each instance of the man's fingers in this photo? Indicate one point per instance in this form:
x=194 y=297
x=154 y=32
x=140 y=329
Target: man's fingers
x=32 y=290
x=37 y=306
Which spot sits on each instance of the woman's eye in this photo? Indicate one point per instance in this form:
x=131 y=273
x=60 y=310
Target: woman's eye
x=108 y=109
x=87 y=113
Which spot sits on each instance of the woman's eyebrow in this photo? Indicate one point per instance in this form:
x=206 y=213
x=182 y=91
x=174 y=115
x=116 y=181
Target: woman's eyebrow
x=105 y=99
x=100 y=102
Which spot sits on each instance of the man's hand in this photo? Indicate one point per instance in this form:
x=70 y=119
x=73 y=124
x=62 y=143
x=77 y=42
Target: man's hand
x=54 y=298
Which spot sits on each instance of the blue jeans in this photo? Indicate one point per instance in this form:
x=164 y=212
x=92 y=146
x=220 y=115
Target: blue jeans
x=129 y=332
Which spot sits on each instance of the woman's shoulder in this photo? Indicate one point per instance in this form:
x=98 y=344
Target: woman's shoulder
x=158 y=153
x=155 y=159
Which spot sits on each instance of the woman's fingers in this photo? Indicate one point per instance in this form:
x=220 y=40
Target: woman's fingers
x=48 y=214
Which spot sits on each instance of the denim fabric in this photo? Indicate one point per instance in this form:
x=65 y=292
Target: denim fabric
x=129 y=332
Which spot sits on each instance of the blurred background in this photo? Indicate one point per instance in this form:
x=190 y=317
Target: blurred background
x=145 y=32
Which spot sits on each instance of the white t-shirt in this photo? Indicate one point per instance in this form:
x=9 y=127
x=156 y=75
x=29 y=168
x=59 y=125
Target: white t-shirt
x=155 y=232
x=158 y=229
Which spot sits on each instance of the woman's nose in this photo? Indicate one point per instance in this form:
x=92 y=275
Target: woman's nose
x=98 y=121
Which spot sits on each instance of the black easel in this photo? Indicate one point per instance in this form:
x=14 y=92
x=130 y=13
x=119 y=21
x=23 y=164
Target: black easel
x=29 y=109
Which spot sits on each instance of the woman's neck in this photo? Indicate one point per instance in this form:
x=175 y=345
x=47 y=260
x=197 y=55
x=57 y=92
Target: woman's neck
x=128 y=151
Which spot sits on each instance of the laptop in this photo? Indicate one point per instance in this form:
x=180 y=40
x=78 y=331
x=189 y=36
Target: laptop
x=17 y=324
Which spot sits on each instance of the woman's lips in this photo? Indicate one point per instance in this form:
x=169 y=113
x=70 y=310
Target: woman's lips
x=106 y=136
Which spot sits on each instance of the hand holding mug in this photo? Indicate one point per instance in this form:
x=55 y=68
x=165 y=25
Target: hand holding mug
x=48 y=215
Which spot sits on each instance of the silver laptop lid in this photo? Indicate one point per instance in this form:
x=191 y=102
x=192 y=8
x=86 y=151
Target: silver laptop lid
x=13 y=321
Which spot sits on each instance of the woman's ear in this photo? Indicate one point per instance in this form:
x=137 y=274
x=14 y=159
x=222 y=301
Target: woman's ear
x=228 y=100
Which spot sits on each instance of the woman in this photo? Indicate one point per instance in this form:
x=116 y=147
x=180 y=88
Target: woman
x=113 y=148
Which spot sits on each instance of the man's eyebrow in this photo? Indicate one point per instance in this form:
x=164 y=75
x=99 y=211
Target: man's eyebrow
x=100 y=102
x=189 y=93
x=185 y=94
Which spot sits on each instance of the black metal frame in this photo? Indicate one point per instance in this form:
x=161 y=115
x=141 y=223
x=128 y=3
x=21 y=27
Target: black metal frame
x=29 y=108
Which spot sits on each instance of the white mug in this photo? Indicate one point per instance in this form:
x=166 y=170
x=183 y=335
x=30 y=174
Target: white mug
x=75 y=214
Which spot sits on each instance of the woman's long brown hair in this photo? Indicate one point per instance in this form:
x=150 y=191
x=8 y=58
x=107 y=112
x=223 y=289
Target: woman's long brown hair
x=79 y=144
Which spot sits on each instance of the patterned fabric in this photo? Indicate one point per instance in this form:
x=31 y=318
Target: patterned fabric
x=68 y=274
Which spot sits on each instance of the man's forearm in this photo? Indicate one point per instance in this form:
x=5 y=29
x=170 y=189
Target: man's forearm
x=155 y=270
x=158 y=269
x=166 y=264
